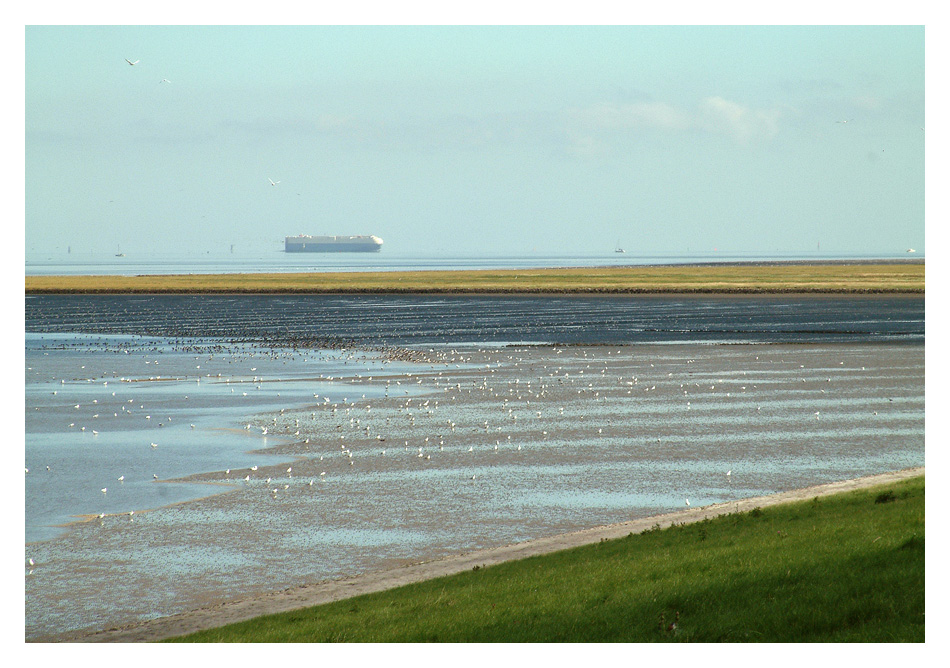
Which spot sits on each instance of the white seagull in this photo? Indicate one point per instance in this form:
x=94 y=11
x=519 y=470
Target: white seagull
x=272 y=182
x=130 y=62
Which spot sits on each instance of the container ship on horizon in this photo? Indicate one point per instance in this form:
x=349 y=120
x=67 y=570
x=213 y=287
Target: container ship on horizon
x=303 y=243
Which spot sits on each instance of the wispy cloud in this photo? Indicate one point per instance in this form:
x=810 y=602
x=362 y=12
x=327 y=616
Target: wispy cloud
x=594 y=128
x=743 y=124
x=636 y=115
x=587 y=131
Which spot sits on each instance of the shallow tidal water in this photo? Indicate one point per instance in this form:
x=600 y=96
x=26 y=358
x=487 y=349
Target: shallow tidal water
x=371 y=461
x=129 y=414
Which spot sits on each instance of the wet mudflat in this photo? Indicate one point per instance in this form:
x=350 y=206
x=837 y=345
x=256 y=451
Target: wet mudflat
x=421 y=319
x=393 y=455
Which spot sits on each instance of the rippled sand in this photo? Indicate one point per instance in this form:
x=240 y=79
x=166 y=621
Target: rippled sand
x=488 y=448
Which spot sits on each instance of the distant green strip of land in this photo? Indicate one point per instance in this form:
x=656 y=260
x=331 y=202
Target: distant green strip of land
x=819 y=278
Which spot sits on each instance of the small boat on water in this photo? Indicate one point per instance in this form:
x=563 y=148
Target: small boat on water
x=618 y=249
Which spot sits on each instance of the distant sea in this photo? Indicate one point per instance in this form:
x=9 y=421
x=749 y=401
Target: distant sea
x=276 y=261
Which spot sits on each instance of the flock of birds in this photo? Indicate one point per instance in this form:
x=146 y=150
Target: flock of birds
x=554 y=410
x=458 y=410
x=92 y=415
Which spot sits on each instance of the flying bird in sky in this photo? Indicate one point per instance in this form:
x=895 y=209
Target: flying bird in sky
x=273 y=183
x=130 y=62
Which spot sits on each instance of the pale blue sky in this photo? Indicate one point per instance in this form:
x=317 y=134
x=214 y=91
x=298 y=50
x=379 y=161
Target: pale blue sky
x=477 y=140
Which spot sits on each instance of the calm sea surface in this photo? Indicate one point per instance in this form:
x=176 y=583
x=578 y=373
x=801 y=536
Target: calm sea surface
x=40 y=264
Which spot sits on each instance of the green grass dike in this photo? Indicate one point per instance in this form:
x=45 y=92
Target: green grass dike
x=743 y=278
x=842 y=568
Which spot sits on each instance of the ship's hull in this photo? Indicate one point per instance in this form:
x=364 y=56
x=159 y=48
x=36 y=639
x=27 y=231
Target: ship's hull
x=338 y=244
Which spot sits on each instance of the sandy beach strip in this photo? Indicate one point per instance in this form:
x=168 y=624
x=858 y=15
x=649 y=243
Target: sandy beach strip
x=779 y=278
x=334 y=590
